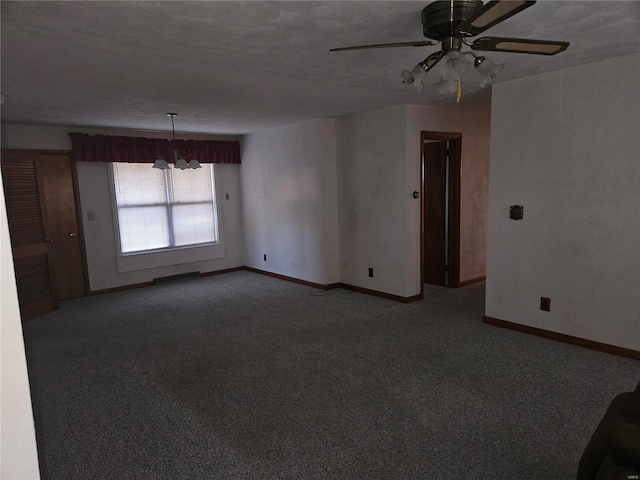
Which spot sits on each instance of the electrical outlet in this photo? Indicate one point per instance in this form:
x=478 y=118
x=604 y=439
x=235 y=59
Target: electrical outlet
x=265 y=257
x=545 y=304
x=91 y=216
x=371 y=272
x=226 y=196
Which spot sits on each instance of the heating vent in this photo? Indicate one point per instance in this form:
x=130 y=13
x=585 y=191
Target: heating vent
x=176 y=278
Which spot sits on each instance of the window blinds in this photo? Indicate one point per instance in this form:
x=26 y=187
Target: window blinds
x=159 y=209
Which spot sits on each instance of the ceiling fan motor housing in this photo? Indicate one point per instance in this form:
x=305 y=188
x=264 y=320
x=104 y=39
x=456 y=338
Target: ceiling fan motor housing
x=440 y=18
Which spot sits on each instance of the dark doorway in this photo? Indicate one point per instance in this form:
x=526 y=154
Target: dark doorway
x=440 y=214
x=435 y=209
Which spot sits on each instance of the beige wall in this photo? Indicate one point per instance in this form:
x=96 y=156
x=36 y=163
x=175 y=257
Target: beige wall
x=289 y=200
x=566 y=146
x=373 y=198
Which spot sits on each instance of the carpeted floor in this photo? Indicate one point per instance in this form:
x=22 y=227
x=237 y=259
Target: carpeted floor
x=243 y=376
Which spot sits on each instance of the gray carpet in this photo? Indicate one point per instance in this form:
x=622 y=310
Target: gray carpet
x=243 y=376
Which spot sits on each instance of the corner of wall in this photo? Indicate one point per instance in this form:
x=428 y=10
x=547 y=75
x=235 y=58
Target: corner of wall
x=289 y=196
x=17 y=429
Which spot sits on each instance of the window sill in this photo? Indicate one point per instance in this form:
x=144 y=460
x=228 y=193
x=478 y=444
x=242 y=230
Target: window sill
x=131 y=262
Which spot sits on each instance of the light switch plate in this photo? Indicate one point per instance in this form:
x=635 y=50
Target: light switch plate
x=516 y=212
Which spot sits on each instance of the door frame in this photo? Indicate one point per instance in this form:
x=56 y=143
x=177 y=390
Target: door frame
x=455 y=164
x=76 y=196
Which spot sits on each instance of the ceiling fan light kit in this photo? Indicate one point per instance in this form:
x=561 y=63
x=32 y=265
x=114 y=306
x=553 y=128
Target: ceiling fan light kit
x=449 y=23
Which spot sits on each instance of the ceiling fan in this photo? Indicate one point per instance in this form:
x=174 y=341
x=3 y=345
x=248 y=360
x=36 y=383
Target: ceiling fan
x=450 y=23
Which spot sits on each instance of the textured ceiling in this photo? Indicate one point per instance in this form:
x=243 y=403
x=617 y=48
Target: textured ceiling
x=237 y=67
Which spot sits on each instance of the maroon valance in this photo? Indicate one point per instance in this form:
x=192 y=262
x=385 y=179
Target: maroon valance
x=111 y=148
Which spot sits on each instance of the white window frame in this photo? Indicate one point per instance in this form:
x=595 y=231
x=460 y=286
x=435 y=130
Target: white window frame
x=140 y=260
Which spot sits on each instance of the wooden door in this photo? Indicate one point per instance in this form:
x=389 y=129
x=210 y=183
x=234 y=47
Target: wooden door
x=434 y=208
x=62 y=225
x=30 y=244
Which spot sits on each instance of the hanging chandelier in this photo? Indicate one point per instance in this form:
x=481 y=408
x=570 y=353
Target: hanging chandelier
x=178 y=160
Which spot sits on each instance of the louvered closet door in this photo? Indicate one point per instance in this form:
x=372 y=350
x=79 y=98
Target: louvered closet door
x=31 y=247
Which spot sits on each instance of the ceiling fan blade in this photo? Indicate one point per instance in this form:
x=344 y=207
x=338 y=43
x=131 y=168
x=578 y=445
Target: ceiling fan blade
x=519 y=45
x=493 y=12
x=425 y=43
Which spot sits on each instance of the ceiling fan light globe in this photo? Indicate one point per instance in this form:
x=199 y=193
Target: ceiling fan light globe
x=487 y=68
x=407 y=77
x=453 y=66
x=486 y=81
x=446 y=86
x=414 y=77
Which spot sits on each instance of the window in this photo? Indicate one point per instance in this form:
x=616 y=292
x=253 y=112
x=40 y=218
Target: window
x=162 y=209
